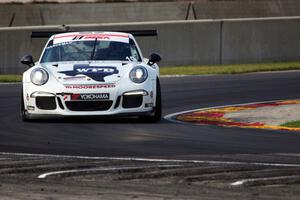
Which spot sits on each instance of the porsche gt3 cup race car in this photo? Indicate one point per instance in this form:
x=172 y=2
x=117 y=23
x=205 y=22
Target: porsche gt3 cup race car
x=91 y=74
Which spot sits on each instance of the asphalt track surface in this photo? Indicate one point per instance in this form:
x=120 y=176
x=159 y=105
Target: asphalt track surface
x=130 y=138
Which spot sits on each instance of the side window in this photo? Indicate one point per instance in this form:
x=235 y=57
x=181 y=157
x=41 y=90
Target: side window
x=49 y=55
x=134 y=51
x=50 y=43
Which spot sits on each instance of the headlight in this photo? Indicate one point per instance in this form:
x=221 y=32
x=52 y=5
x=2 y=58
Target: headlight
x=39 y=76
x=138 y=74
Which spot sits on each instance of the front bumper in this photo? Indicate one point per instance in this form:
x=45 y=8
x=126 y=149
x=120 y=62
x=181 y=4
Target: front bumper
x=135 y=100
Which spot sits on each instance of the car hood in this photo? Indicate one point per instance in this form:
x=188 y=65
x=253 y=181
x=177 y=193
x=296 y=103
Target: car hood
x=88 y=72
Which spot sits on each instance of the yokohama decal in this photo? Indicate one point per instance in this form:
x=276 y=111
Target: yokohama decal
x=80 y=97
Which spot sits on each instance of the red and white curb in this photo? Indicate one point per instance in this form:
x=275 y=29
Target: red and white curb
x=215 y=115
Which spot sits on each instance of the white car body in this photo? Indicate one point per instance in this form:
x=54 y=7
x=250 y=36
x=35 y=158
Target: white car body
x=74 y=83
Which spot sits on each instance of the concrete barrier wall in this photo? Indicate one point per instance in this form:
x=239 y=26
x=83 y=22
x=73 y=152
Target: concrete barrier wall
x=180 y=42
x=81 y=13
x=261 y=41
x=20 y=15
x=206 y=9
x=114 y=12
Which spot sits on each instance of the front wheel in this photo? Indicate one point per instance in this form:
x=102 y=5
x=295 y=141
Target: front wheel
x=156 y=114
x=24 y=113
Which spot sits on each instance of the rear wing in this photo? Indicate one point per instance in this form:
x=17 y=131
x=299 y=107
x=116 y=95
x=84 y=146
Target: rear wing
x=136 y=33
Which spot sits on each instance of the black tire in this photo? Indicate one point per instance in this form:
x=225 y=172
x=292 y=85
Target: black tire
x=157 y=110
x=24 y=114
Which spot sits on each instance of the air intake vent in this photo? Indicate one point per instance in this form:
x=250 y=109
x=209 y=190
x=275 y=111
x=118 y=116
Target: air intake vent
x=45 y=103
x=88 y=105
x=132 y=101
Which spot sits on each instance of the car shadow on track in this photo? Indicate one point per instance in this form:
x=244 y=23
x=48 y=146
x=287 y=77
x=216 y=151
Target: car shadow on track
x=97 y=120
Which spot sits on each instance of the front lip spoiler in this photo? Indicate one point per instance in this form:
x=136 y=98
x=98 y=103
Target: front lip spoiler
x=48 y=94
x=86 y=117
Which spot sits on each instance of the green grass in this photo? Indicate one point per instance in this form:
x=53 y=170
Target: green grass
x=205 y=69
x=294 y=124
x=229 y=69
x=10 y=78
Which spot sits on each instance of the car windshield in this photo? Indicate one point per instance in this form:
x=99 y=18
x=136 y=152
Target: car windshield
x=91 y=50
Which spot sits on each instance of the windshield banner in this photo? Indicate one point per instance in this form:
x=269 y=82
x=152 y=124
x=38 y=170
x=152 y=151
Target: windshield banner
x=69 y=37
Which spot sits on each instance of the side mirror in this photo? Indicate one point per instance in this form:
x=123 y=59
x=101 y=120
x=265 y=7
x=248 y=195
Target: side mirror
x=27 y=60
x=154 y=58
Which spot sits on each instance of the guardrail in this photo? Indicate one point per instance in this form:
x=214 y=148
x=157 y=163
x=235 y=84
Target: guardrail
x=183 y=42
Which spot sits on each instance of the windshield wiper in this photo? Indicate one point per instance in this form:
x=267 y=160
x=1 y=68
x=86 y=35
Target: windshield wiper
x=93 y=52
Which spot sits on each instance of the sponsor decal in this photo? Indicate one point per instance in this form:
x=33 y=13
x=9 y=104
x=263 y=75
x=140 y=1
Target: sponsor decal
x=90 y=97
x=58 y=45
x=93 y=72
x=98 y=86
x=90 y=37
x=73 y=77
x=66 y=97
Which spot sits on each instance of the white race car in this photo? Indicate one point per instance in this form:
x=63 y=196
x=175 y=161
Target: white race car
x=91 y=74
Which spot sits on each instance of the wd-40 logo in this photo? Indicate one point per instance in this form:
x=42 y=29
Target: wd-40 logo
x=95 y=73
